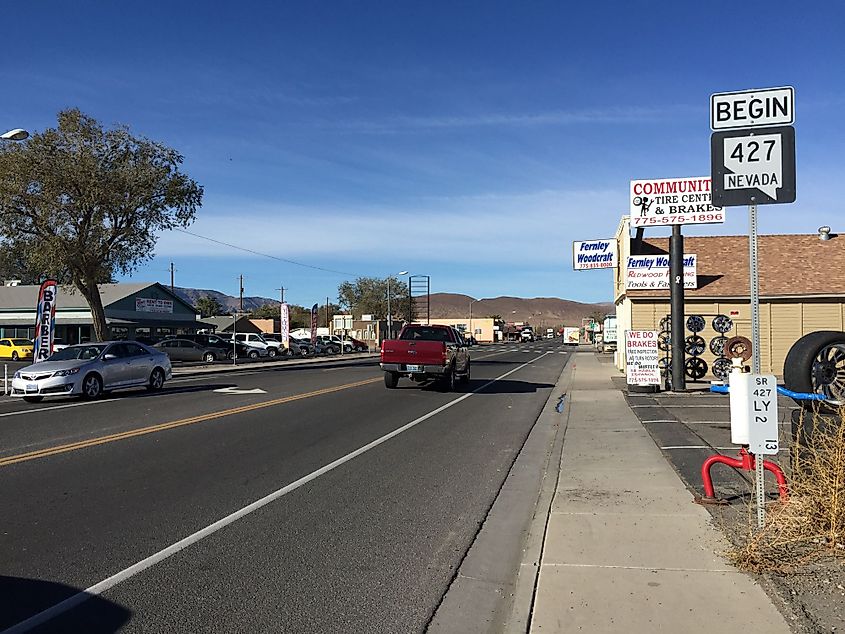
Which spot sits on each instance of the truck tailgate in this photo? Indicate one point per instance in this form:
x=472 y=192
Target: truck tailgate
x=413 y=352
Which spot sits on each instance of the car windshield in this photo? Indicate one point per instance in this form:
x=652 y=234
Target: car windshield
x=21 y=342
x=426 y=334
x=91 y=351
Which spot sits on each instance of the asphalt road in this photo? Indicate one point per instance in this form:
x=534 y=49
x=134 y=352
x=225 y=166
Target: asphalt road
x=371 y=497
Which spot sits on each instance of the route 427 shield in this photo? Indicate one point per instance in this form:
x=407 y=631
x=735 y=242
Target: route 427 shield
x=753 y=166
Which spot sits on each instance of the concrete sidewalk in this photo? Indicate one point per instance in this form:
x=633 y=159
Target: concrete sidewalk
x=626 y=550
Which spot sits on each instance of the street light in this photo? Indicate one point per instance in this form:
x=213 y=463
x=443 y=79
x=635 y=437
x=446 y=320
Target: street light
x=18 y=134
x=389 y=317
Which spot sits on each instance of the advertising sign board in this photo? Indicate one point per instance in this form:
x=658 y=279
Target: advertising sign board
x=641 y=356
x=594 y=254
x=285 y=325
x=45 y=321
x=149 y=305
x=650 y=272
x=673 y=201
x=314 y=310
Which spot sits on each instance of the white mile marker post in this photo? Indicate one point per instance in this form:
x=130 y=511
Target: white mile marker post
x=759 y=472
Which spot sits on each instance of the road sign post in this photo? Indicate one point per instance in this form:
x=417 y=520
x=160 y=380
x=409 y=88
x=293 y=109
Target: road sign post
x=752 y=162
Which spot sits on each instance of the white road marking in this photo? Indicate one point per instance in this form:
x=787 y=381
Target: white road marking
x=240 y=390
x=136 y=568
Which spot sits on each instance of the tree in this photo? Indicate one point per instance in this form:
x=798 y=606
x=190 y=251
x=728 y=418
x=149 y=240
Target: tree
x=209 y=306
x=368 y=296
x=83 y=203
x=13 y=266
x=266 y=311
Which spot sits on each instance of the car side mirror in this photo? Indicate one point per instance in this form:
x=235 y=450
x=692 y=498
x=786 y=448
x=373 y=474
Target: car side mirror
x=109 y=356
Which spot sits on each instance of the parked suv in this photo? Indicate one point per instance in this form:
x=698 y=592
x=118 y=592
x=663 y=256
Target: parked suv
x=270 y=348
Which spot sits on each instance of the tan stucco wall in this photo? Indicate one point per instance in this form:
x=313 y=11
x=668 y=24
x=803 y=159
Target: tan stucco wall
x=483 y=326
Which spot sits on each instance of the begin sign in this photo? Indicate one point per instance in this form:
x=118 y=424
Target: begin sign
x=641 y=355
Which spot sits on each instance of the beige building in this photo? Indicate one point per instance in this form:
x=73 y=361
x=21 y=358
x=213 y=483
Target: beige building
x=802 y=289
x=480 y=327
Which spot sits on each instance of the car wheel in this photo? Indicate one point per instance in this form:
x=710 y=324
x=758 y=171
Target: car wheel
x=253 y=354
x=15 y=356
x=303 y=352
x=92 y=387
x=449 y=381
x=156 y=380
x=391 y=379
x=816 y=363
x=33 y=399
x=230 y=355
x=465 y=378
x=209 y=357
x=271 y=352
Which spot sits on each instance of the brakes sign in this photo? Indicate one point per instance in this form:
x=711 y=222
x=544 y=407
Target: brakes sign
x=641 y=354
x=673 y=201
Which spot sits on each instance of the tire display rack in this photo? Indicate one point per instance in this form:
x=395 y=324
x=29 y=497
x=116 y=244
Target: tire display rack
x=720 y=345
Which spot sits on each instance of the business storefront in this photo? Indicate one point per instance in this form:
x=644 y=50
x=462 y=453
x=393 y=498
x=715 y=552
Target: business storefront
x=802 y=290
x=142 y=311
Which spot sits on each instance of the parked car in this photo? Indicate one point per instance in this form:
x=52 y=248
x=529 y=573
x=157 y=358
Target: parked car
x=306 y=348
x=186 y=350
x=15 y=349
x=88 y=370
x=59 y=344
x=257 y=341
x=423 y=353
x=335 y=343
x=358 y=345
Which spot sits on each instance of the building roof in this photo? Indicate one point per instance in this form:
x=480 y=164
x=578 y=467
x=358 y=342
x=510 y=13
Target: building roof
x=789 y=265
x=25 y=297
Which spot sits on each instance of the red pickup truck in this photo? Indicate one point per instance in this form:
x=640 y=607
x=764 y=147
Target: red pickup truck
x=425 y=353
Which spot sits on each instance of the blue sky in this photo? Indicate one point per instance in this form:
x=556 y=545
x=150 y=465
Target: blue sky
x=469 y=141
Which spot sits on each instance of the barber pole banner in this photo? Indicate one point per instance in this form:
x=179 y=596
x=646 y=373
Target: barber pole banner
x=45 y=321
x=314 y=310
x=285 y=325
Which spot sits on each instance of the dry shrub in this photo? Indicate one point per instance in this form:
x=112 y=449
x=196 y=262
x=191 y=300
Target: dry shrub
x=811 y=523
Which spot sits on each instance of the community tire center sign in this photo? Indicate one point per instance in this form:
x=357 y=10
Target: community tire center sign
x=641 y=357
x=673 y=201
x=594 y=254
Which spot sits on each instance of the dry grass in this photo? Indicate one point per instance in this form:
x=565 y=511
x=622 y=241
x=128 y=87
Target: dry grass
x=811 y=524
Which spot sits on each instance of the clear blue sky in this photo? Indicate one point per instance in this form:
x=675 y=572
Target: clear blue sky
x=470 y=141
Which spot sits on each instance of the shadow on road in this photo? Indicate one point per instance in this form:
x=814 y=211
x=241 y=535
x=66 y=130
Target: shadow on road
x=22 y=598
x=504 y=386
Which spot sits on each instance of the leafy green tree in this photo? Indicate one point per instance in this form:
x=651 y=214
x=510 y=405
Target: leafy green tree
x=368 y=296
x=209 y=306
x=82 y=202
x=266 y=311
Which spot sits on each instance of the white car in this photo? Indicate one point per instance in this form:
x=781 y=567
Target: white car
x=89 y=369
x=266 y=348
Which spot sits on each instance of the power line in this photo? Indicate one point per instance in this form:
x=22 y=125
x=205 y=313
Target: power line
x=266 y=255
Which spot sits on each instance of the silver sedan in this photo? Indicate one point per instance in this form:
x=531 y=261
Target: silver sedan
x=89 y=369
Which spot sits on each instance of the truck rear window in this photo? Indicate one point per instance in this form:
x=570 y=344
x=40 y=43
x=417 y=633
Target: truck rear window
x=426 y=334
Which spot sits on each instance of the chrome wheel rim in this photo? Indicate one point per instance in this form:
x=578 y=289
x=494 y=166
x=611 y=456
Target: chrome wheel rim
x=92 y=387
x=158 y=379
x=828 y=372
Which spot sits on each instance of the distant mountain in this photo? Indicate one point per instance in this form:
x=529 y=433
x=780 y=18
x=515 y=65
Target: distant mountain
x=552 y=311
x=230 y=304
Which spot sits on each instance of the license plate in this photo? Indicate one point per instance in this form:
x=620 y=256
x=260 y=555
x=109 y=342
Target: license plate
x=413 y=368
x=32 y=387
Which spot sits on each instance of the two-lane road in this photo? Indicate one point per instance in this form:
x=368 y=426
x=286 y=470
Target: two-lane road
x=299 y=499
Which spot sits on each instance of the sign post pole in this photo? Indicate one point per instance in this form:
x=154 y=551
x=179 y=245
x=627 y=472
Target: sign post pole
x=755 y=349
x=676 y=299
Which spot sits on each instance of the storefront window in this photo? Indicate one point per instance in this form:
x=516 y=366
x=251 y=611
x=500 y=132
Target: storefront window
x=119 y=332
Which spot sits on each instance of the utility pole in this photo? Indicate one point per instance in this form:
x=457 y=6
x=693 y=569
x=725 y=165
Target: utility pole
x=172 y=278
x=241 y=293
x=281 y=290
x=327 y=315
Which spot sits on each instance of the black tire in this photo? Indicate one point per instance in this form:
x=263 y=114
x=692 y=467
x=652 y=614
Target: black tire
x=804 y=371
x=156 y=380
x=449 y=381
x=15 y=355
x=33 y=399
x=271 y=352
x=303 y=352
x=465 y=377
x=391 y=380
x=209 y=357
x=230 y=355
x=253 y=354
x=92 y=387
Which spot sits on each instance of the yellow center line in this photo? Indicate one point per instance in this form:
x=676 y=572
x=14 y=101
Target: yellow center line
x=93 y=442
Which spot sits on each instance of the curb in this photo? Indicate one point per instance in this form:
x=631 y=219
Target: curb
x=270 y=365
x=509 y=543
